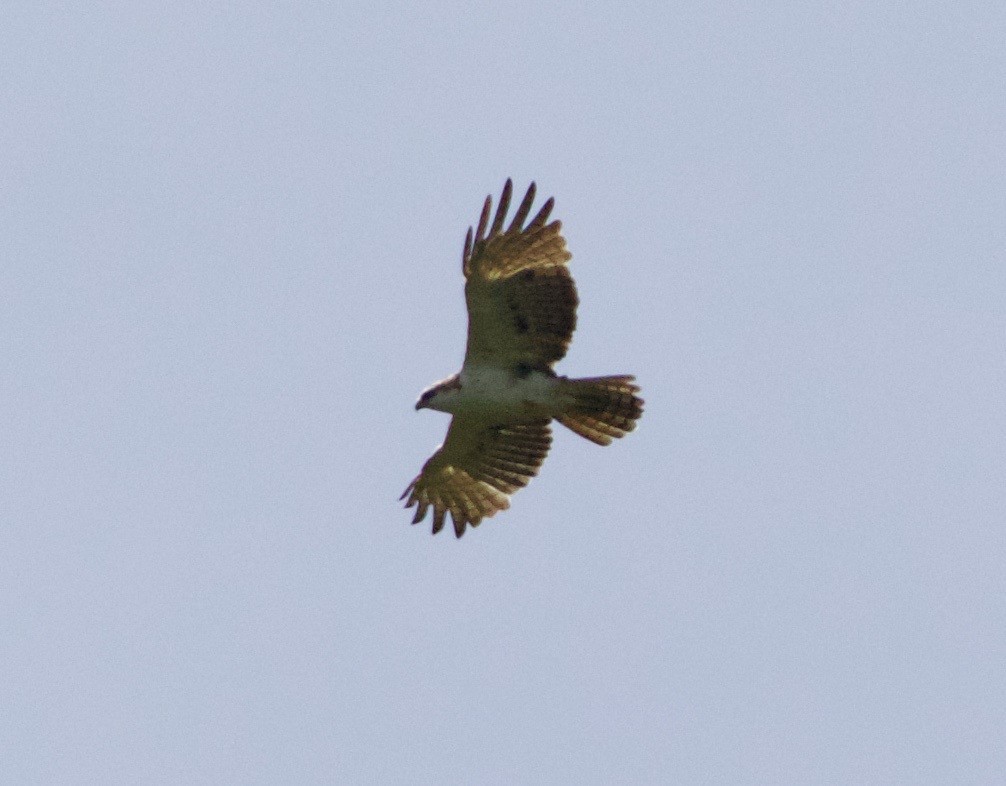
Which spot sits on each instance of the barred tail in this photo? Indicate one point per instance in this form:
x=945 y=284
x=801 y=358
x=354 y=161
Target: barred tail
x=601 y=408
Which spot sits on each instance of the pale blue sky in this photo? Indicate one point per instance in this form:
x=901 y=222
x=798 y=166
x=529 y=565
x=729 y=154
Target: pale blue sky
x=231 y=243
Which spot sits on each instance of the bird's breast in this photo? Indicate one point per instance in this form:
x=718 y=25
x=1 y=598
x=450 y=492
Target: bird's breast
x=504 y=394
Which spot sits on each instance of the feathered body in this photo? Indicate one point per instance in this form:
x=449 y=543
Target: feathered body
x=521 y=316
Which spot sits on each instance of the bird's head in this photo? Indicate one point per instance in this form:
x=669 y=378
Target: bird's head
x=441 y=395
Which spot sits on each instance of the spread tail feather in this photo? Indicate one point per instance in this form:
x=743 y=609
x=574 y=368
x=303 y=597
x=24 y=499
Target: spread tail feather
x=601 y=408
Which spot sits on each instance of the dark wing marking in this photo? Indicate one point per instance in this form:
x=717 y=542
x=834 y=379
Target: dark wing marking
x=476 y=469
x=521 y=298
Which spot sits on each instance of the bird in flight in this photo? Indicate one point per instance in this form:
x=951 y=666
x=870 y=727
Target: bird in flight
x=521 y=316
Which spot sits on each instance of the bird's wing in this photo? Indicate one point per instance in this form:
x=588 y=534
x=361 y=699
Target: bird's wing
x=521 y=298
x=476 y=469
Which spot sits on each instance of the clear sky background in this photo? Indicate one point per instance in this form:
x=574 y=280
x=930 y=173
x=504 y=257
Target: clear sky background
x=230 y=240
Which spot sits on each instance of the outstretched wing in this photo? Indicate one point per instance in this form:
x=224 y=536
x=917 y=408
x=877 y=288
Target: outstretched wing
x=521 y=298
x=476 y=469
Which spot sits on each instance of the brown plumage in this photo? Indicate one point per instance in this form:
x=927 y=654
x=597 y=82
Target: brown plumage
x=524 y=270
x=603 y=408
x=479 y=473
x=521 y=316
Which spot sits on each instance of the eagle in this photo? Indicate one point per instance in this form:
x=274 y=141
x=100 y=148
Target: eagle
x=521 y=316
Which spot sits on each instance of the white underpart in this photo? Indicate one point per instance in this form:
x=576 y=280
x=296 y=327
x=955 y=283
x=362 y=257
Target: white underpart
x=496 y=393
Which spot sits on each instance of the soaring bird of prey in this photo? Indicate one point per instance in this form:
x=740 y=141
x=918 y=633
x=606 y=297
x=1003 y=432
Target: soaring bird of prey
x=521 y=316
